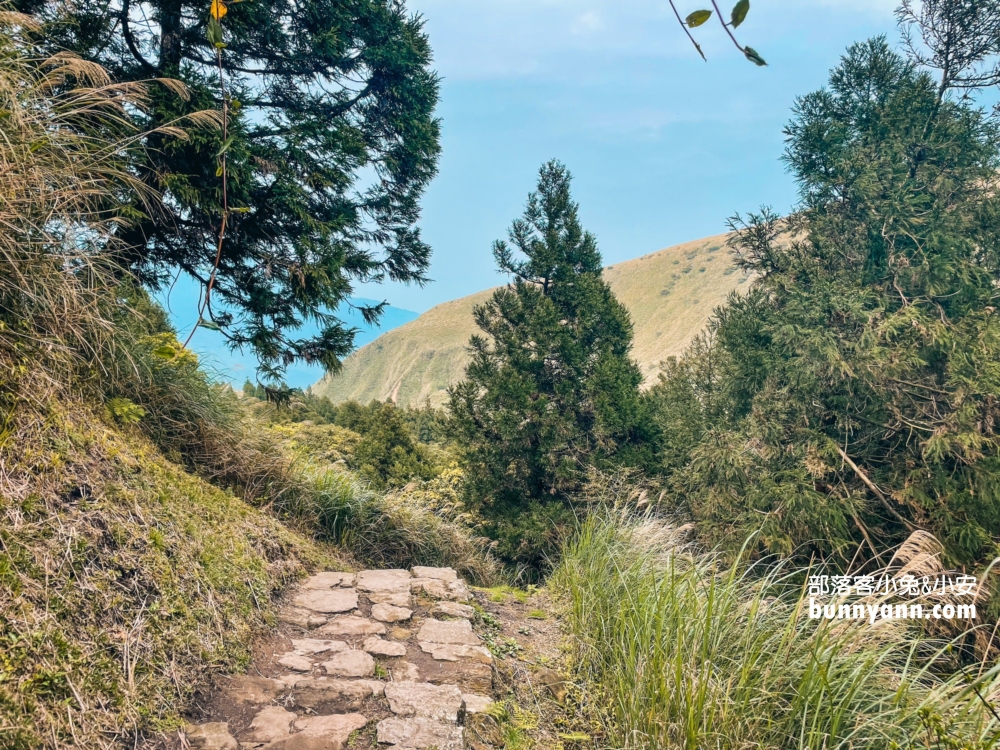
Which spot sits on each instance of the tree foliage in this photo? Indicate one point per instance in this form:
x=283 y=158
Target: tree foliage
x=551 y=390
x=332 y=141
x=854 y=394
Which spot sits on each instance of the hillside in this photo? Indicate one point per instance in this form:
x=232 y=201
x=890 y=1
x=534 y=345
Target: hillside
x=670 y=293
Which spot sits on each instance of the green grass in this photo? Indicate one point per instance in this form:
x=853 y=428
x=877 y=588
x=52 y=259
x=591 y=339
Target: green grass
x=420 y=359
x=124 y=581
x=683 y=653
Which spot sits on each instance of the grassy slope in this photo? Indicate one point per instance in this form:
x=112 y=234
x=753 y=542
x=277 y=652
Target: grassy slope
x=124 y=580
x=669 y=295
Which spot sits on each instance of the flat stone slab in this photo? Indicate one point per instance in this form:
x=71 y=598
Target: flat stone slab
x=248 y=689
x=385 y=586
x=377 y=647
x=327 y=601
x=382 y=580
x=454 y=609
x=271 y=723
x=418 y=733
x=211 y=736
x=439 y=702
x=437 y=589
x=328 y=580
x=442 y=574
x=476 y=704
x=316 y=646
x=390 y=613
x=350 y=664
x=300 y=617
x=296 y=662
x=457 y=632
x=404 y=671
x=456 y=652
x=351 y=625
x=335 y=729
x=348 y=693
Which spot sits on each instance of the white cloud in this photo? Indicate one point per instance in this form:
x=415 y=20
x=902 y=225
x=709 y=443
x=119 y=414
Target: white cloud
x=587 y=23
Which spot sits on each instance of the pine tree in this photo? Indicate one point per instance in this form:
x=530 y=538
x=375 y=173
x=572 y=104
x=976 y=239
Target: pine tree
x=551 y=390
x=332 y=142
x=856 y=390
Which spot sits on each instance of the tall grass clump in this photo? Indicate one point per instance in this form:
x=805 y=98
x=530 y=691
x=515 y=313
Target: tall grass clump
x=687 y=653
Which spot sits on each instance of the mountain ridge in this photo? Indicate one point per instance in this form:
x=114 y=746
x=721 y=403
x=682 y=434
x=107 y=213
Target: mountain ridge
x=670 y=293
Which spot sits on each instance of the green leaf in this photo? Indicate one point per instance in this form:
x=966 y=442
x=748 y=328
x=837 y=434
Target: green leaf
x=225 y=146
x=214 y=32
x=740 y=12
x=164 y=352
x=575 y=737
x=209 y=324
x=753 y=57
x=698 y=18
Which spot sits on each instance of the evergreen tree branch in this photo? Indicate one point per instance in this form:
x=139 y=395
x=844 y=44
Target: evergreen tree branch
x=874 y=488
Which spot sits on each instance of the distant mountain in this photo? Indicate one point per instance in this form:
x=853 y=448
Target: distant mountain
x=210 y=346
x=671 y=295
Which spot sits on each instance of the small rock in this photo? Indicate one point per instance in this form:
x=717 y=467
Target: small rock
x=296 y=663
x=442 y=574
x=476 y=704
x=377 y=687
x=314 y=692
x=316 y=646
x=448 y=631
x=329 y=601
x=212 y=736
x=454 y=652
x=389 y=613
x=350 y=664
x=328 y=580
x=335 y=729
x=454 y=609
x=377 y=647
x=351 y=625
x=302 y=618
x=400 y=634
x=438 y=589
x=440 y=702
x=418 y=733
x=554 y=682
x=405 y=672
x=272 y=723
x=247 y=689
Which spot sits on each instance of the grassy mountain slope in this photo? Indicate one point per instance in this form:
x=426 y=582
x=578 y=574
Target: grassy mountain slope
x=124 y=579
x=670 y=293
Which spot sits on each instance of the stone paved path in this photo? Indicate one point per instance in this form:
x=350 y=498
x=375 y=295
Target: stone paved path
x=381 y=658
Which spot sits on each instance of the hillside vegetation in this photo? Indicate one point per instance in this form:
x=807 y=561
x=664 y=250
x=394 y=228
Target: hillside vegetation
x=670 y=294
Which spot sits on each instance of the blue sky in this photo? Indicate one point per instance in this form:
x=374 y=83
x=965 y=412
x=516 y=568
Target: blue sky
x=663 y=146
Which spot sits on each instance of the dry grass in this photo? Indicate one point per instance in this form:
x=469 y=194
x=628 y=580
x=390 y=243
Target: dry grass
x=681 y=651
x=668 y=294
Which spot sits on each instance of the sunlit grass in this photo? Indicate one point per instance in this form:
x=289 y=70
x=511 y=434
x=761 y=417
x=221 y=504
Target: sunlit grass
x=688 y=654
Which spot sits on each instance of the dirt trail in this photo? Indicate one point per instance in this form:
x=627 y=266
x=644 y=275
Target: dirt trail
x=381 y=658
